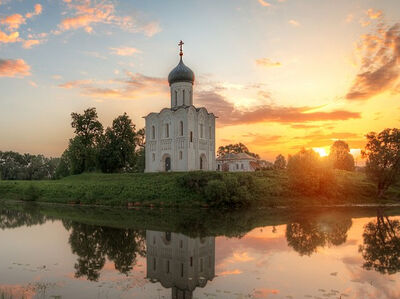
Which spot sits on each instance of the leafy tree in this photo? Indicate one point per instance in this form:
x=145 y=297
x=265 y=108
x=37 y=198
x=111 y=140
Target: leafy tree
x=381 y=246
x=309 y=174
x=87 y=126
x=81 y=151
x=15 y=166
x=383 y=158
x=235 y=149
x=280 y=162
x=117 y=146
x=340 y=156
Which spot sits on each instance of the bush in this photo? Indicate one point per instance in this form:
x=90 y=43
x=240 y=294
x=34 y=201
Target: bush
x=31 y=193
x=222 y=190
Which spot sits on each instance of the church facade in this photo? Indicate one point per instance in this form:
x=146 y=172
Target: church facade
x=182 y=137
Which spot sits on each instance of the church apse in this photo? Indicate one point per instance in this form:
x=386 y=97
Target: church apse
x=179 y=262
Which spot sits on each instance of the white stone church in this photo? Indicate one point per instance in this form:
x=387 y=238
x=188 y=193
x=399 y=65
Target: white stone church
x=180 y=138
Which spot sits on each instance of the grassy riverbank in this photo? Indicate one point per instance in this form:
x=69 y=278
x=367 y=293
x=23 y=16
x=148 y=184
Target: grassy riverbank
x=269 y=188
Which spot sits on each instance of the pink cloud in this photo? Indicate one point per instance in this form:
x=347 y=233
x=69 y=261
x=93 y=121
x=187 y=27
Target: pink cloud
x=37 y=11
x=30 y=43
x=14 y=68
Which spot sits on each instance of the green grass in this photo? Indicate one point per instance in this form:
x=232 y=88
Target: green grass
x=164 y=189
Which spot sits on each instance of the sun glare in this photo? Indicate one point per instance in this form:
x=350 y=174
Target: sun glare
x=321 y=151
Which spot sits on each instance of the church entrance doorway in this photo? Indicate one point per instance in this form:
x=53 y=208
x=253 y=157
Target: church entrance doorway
x=203 y=163
x=167 y=164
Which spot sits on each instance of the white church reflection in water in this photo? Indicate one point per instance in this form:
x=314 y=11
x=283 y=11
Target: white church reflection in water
x=180 y=262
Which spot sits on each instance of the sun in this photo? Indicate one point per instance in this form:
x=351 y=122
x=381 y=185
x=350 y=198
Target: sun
x=321 y=151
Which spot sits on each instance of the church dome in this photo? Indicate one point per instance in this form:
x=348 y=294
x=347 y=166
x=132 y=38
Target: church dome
x=181 y=73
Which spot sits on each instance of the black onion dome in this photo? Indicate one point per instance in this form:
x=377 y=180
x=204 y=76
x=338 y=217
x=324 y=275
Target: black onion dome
x=181 y=73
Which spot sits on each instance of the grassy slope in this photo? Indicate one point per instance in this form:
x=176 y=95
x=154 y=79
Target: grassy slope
x=163 y=189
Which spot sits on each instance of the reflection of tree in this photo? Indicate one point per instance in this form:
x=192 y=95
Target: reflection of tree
x=10 y=218
x=381 y=247
x=93 y=244
x=306 y=235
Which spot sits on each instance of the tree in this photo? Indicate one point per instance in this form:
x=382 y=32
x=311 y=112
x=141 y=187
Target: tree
x=82 y=148
x=117 y=146
x=308 y=174
x=235 y=149
x=280 y=162
x=340 y=156
x=381 y=246
x=383 y=158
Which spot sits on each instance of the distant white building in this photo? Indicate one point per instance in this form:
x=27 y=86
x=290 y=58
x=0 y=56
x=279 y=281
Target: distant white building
x=237 y=162
x=179 y=262
x=180 y=138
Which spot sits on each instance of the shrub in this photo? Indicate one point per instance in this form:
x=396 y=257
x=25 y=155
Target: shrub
x=31 y=193
x=222 y=190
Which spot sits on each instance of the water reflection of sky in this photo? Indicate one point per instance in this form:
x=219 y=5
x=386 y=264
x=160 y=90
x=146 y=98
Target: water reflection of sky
x=38 y=262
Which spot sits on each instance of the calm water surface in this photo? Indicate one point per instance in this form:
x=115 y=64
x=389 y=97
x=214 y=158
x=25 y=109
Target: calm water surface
x=74 y=252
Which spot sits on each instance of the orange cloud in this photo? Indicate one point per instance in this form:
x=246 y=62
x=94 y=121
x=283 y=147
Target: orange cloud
x=229 y=115
x=124 y=51
x=9 y=38
x=14 y=68
x=380 y=63
x=86 y=14
x=374 y=14
x=30 y=43
x=134 y=86
x=264 y=293
x=37 y=11
x=294 y=23
x=266 y=62
x=13 y=22
x=264 y=3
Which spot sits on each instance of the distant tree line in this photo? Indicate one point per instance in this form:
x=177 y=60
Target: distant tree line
x=120 y=148
x=15 y=166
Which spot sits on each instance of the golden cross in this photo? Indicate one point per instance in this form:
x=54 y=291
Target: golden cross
x=181 y=43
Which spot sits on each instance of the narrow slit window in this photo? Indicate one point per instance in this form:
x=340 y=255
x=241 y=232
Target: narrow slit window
x=181 y=128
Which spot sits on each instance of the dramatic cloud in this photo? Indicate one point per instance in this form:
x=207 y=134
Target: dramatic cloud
x=124 y=51
x=14 y=68
x=264 y=3
x=13 y=22
x=87 y=14
x=133 y=87
x=229 y=115
x=9 y=38
x=294 y=23
x=266 y=62
x=380 y=63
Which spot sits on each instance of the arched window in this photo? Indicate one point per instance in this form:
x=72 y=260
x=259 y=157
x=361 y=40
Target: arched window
x=167 y=130
x=154 y=156
x=180 y=155
x=183 y=96
x=191 y=136
x=176 y=98
x=153 y=132
x=181 y=128
x=201 y=130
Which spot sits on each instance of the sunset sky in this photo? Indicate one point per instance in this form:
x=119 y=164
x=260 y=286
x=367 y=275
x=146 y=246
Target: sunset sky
x=279 y=74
